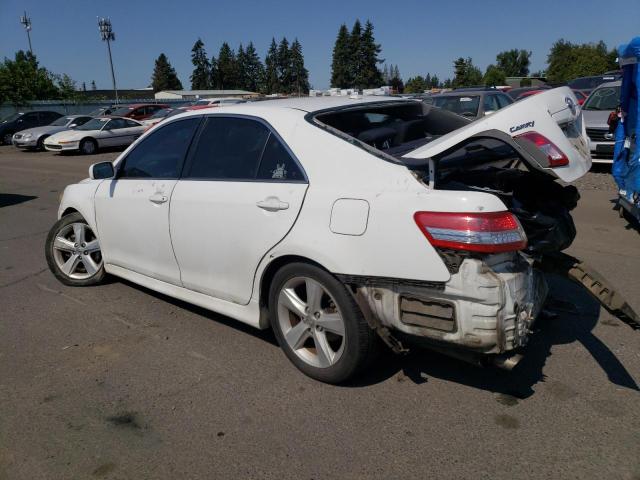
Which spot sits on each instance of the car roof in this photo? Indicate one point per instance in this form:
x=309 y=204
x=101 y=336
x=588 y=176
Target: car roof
x=310 y=104
x=465 y=93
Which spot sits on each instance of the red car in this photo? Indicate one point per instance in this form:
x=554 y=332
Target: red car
x=138 y=111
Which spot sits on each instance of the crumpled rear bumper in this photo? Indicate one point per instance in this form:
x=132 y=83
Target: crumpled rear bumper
x=488 y=305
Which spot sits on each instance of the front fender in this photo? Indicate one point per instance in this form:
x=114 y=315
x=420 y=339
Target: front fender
x=80 y=197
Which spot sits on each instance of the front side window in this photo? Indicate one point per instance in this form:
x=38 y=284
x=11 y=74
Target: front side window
x=466 y=105
x=131 y=123
x=228 y=148
x=491 y=103
x=162 y=153
x=94 y=124
x=116 y=124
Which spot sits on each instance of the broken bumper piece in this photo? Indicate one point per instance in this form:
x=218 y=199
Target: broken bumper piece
x=487 y=307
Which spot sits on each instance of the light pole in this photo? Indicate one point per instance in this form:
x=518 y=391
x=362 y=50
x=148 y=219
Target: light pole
x=26 y=23
x=107 y=35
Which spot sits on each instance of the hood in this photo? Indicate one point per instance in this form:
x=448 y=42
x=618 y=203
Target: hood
x=596 y=118
x=67 y=135
x=554 y=113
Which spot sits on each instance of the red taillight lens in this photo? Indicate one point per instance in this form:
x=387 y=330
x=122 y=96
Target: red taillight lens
x=556 y=157
x=490 y=232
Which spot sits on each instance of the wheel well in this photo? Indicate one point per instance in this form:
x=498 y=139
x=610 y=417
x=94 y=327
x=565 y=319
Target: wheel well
x=91 y=139
x=69 y=211
x=273 y=267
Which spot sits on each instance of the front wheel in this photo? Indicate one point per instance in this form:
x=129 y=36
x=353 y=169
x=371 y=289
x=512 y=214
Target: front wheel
x=88 y=146
x=318 y=324
x=73 y=252
x=6 y=139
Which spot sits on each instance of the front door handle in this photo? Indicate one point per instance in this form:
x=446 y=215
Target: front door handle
x=272 y=204
x=158 y=198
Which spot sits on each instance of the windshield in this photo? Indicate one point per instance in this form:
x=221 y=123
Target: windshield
x=121 y=112
x=61 y=122
x=466 y=105
x=606 y=98
x=11 y=118
x=93 y=124
x=588 y=83
x=161 y=113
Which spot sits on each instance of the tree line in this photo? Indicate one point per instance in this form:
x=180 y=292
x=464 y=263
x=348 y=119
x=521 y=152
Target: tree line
x=283 y=70
x=356 y=63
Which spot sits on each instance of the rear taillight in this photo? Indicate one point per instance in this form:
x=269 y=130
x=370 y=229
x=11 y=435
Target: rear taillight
x=556 y=157
x=490 y=232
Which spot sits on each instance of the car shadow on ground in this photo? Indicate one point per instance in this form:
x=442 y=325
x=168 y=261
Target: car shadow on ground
x=9 y=199
x=574 y=315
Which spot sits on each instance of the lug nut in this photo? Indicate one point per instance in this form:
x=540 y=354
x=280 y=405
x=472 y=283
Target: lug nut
x=317 y=314
x=84 y=245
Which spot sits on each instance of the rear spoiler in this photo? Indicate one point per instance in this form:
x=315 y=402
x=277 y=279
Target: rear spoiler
x=554 y=113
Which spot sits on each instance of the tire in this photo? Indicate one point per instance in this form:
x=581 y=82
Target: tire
x=6 y=138
x=312 y=340
x=78 y=264
x=40 y=143
x=88 y=146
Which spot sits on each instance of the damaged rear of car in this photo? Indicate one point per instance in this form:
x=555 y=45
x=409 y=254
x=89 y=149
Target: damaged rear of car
x=522 y=155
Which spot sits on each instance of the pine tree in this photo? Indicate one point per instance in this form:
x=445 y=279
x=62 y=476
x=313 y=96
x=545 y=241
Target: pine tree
x=84 y=87
x=385 y=74
x=93 y=85
x=356 y=60
x=213 y=72
x=271 y=77
x=427 y=81
x=164 y=76
x=227 y=68
x=299 y=74
x=254 y=69
x=284 y=65
x=241 y=64
x=340 y=64
x=201 y=76
x=370 y=74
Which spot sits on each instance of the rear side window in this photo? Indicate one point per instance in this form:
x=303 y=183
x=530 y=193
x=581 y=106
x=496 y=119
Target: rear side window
x=162 y=153
x=228 y=149
x=277 y=163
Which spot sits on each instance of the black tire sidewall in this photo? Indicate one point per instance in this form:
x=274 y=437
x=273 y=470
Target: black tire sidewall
x=51 y=262
x=358 y=337
x=84 y=142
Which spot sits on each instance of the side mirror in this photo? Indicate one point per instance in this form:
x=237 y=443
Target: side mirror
x=73 y=125
x=489 y=112
x=20 y=120
x=102 y=170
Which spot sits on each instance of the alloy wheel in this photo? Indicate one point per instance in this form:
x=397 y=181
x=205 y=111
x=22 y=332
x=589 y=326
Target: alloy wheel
x=76 y=251
x=311 y=322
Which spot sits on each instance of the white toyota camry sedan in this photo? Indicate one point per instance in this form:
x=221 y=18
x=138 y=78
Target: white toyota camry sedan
x=97 y=133
x=340 y=223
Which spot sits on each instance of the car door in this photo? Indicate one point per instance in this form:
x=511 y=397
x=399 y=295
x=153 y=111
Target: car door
x=239 y=195
x=132 y=210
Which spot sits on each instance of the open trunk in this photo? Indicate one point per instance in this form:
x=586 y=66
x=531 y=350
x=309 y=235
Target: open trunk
x=517 y=153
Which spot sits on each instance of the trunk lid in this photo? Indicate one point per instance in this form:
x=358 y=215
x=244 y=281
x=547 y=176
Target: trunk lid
x=555 y=114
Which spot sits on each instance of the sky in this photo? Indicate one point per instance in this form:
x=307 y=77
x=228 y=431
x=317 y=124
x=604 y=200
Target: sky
x=418 y=36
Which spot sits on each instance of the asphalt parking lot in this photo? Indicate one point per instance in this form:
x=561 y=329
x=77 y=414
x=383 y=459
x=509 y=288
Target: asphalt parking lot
x=119 y=382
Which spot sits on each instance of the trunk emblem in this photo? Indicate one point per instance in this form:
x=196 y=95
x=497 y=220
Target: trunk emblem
x=571 y=104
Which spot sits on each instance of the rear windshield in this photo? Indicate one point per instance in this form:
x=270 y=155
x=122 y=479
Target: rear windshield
x=121 y=112
x=12 y=117
x=605 y=98
x=60 y=122
x=93 y=124
x=465 y=105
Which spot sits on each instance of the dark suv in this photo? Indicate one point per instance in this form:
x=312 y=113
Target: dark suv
x=23 y=120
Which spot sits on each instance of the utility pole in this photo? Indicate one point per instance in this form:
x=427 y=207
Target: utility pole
x=107 y=35
x=26 y=23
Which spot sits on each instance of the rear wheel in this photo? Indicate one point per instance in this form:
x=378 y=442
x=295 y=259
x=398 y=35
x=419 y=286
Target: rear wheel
x=318 y=324
x=88 y=146
x=73 y=252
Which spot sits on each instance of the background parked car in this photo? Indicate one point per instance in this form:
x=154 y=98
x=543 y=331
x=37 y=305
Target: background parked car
x=138 y=111
x=34 y=137
x=161 y=114
x=95 y=134
x=581 y=97
x=515 y=93
x=23 y=120
x=471 y=103
x=587 y=84
x=595 y=111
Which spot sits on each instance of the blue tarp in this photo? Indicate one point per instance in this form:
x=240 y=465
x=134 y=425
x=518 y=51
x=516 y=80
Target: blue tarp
x=626 y=154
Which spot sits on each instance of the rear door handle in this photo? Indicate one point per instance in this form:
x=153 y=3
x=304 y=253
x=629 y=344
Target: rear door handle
x=158 y=198
x=272 y=204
